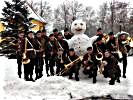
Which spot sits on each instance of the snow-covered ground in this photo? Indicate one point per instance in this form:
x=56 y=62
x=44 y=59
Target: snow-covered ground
x=59 y=88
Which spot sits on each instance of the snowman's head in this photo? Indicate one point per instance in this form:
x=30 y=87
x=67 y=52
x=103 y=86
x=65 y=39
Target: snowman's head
x=78 y=27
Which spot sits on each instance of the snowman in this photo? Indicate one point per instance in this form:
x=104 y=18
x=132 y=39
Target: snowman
x=80 y=41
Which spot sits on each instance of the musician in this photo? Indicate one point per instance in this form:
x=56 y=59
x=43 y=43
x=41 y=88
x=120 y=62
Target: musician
x=111 y=68
x=63 y=46
x=122 y=47
x=90 y=64
x=39 y=56
x=74 y=66
x=51 y=53
x=99 y=32
x=111 y=43
x=99 y=46
x=44 y=41
x=20 y=50
x=55 y=32
x=67 y=34
x=31 y=54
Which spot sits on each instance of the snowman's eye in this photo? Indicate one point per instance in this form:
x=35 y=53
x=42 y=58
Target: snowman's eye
x=81 y=24
x=75 y=24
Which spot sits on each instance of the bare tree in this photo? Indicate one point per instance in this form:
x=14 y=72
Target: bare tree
x=43 y=9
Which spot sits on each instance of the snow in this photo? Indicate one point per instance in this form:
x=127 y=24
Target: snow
x=57 y=87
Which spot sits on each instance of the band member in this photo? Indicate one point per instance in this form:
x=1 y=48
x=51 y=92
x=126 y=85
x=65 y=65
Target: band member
x=20 y=51
x=112 y=45
x=31 y=54
x=111 y=68
x=99 y=32
x=55 y=32
x=63 y=51
x=51 y=53
x=99 y=46
x=74 y=66
x=67 y=34
x=90 y=64
x=122 y=47
x=39 y=56
x=44 y=41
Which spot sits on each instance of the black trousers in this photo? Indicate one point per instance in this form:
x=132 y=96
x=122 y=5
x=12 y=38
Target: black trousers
x=28 y=69
x=39 y=65
x=19 y=62
x=47 y=64
x=124 y=63
x=60 y=67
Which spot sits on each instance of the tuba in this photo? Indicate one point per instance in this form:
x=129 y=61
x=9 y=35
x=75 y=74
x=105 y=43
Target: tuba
x=25 y=60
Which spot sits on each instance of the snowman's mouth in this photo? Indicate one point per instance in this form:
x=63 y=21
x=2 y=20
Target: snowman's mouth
x=78 y=29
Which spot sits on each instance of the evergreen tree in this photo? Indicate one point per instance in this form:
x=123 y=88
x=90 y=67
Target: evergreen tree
x=15 y=17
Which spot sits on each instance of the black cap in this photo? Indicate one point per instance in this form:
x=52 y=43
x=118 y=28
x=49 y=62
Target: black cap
x=59 y=33
x=55 y=30
x=89 y=48
x=29 y=32
x=99 y=38
x=99 y=29
x=71 y=49
x=51 y=35
x=111 y=33
x=66 y=29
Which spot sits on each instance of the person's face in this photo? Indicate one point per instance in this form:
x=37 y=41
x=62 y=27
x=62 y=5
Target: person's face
x=30 y=35
x=107 y=54
x=111 y=36
x=66 y=33
x=90 y=51
x=52 y=38
x=39 y=35
x=21 y=35
x=123 y=37
x=71 y=53
x=99 y=42
x=55 y=33
x=60 y=37
x=43 y=33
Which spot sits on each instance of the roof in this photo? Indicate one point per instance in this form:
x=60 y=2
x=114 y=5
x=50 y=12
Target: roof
x=34 y=15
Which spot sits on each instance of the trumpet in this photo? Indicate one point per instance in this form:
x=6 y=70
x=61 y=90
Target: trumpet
x=25 y=60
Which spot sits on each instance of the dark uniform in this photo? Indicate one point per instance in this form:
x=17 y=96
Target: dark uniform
x=123 y=50
x=31 y=54
x=51 y=53
x=20 y=50
x=74 y=67
x=39 y=62
x=90 y=66
x=62 y=51
x=112 y=69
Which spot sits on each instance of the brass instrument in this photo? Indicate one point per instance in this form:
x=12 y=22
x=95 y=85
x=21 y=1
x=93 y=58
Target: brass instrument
x=68 y=66
x=25 y=60
x=105 y=38
x=99 y=55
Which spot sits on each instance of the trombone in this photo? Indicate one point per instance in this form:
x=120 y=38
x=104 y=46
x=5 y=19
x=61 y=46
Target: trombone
x=68 y=66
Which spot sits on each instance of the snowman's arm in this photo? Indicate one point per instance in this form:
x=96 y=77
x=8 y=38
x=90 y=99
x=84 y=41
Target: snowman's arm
x=92 y=39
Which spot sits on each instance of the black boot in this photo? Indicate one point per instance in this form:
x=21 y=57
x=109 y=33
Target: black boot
x=118 y=80
x=31 y=78
x=19 y=75
x=124 y=76
x=111 y=82
x=76 y=78
x=94 y=80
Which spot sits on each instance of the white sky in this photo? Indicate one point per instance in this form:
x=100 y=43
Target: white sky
x=54 y=3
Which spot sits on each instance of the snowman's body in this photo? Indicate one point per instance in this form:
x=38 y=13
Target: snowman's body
x=80 y=41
